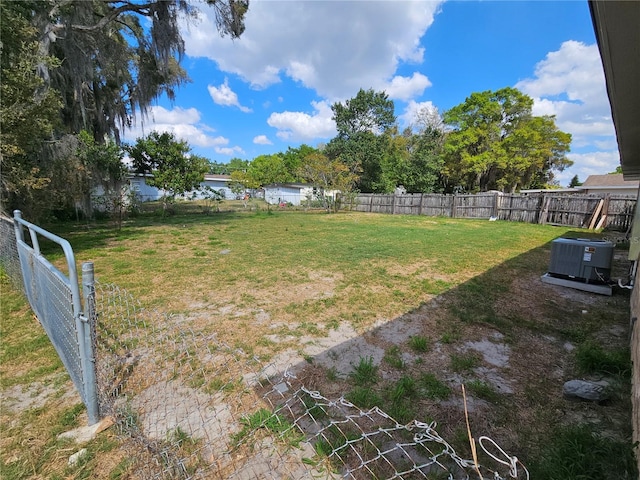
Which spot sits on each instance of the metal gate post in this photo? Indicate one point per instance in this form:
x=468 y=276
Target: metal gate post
x=87 y=338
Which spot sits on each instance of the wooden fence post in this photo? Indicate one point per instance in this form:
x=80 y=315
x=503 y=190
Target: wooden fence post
x=511 y=195
x=605 y=211
x=596 y=214
x=546 y=201
x=453 y=206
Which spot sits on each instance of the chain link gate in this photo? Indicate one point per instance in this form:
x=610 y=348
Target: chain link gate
x=56 y=300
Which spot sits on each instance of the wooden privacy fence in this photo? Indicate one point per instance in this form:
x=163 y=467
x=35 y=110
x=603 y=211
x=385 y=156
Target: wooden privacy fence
x=584 y=211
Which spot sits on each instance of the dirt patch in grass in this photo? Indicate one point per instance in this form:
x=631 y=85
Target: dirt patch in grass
x=524 y=353
x=19 y=398
x=508 y=337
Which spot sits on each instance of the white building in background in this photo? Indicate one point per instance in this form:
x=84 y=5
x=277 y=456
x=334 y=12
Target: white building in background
x=294 y=193
x=291 y=193
x=274 y=194
x=147 y=193
x=613 y=184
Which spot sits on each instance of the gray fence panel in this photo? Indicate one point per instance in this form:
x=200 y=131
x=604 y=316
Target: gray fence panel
x=561 y=209
x=56 y=301
x=9 y=260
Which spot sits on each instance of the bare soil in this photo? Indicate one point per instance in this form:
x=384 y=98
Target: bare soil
x=526 y=364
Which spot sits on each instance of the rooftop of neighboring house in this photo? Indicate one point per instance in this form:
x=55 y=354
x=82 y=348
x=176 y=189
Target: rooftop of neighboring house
x=215 y=176
x=612 y=180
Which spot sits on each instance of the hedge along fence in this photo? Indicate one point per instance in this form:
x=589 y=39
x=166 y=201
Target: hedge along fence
x=584 y=211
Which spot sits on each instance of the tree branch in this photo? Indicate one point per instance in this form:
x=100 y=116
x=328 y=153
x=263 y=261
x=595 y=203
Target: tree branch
x=143 y=9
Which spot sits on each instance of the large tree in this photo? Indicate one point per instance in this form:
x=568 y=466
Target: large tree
x=168 y=164
x=496 y=143
x=73 y=65
x=266 y=169
x=420 y=172
x=119 y=55
x=419 y=158
x=28 y=111
x=363 y=125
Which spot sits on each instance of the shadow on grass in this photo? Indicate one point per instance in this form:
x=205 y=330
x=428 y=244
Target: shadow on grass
x=511 y=340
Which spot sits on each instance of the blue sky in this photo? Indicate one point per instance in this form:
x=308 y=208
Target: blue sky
x=274 y=87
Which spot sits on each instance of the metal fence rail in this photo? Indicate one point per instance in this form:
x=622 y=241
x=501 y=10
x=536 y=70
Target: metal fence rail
x=55 y=299
x=187 y=406
x=9 y=259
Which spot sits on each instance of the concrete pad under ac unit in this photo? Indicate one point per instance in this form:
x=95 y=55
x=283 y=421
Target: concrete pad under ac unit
x=579 y=285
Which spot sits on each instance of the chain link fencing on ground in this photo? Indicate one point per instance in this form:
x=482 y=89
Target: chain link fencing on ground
x=187 y=406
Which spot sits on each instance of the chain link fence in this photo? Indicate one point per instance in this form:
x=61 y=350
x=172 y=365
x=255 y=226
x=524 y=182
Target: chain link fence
x=190 y=407
x=9 y=258
x=187 y=406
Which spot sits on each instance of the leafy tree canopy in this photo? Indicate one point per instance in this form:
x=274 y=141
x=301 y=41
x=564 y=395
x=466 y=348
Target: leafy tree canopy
x=363 y=123
x=74 y=65
x=327 y=175
x=368 y=111
x=117 y=56
x=229 y=167
x=266 y=169
x=28 y=112
x=496 y=143
x=575 y=182
x=169 y=162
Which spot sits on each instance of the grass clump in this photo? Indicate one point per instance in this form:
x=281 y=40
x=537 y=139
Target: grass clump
x=364 y=397
x=365 y=373
x=484 y=391
x=433 y=388
x=419 y=344
x=273 y=423
x=576 y=453
x=401 y=396
x=591 y=358
x=464 y=362
x=393 y=357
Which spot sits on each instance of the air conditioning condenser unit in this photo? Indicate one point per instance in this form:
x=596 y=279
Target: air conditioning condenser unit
x=581 y=263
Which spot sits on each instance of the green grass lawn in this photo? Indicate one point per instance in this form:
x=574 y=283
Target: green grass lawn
x=251 y=276
x=379 y=265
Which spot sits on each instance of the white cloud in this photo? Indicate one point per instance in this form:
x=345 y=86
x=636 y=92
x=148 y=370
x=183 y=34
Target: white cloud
x=593 y=163
x=229 y=151
x=405 y=88
x=223 y=95
x=262 y=140
x=333 y=51
x=569 y=83
x=177 y=115
x=414 y=110
x=300 y=126
x=183 y=123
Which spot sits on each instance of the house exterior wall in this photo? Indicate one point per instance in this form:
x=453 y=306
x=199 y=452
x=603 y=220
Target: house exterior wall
x=144 y=192
x=631 y=191
x=634 y=255
x=220 y=185
x=635 y=362
x=273 y=195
